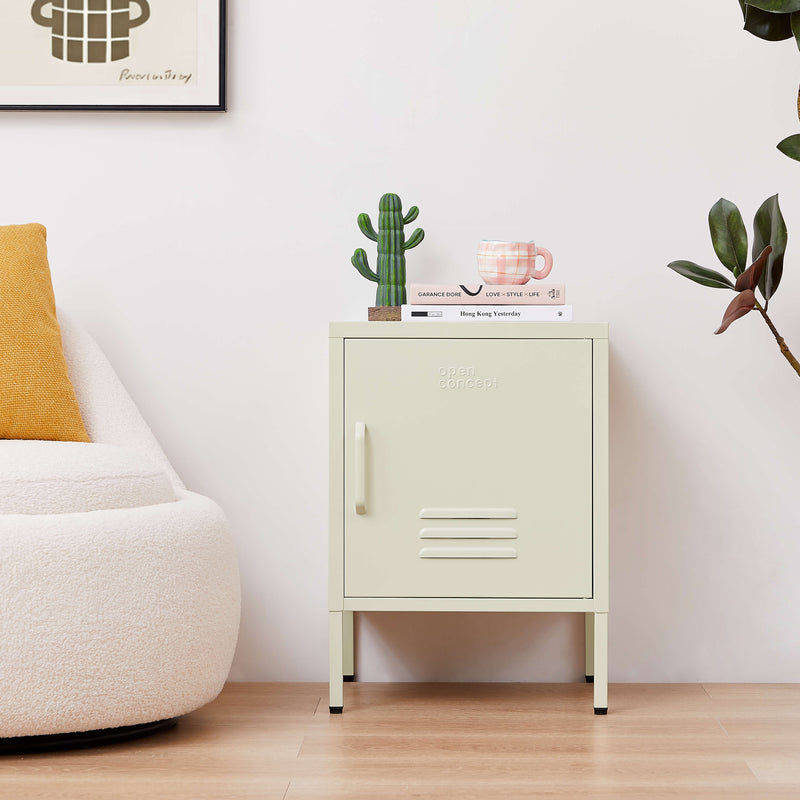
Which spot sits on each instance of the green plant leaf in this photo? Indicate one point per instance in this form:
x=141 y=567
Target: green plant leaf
x=706 y=277
x=728 y=235
x=766 y=25
x=769 y=228
x=795 y=23
x=775 y=6
x=790 y=146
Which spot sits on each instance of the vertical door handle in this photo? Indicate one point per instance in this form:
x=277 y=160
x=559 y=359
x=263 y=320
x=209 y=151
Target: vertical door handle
x=360 y=478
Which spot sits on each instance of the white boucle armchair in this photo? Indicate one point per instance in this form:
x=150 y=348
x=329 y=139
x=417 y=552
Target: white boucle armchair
x=119 y=589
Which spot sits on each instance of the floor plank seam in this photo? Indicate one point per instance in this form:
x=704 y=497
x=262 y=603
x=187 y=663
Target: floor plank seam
x=722 y=726
x=753 y=773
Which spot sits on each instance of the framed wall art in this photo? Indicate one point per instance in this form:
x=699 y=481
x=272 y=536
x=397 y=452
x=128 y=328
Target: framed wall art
x=127 y=55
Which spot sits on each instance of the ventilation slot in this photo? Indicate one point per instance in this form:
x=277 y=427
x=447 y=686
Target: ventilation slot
x=468 y=513
x=468 y=552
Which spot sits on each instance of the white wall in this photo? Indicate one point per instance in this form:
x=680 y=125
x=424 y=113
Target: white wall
x=603 y=130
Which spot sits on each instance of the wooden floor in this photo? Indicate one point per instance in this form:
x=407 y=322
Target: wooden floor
x=461 y=741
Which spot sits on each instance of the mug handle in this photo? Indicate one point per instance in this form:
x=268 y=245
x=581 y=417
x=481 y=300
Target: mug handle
x=144 y=16
x=548 y=263
x=38 y=17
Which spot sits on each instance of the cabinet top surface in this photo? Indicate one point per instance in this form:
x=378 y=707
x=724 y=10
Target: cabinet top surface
x=468 y=330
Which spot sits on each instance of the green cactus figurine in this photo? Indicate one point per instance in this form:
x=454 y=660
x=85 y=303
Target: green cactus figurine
x=392 y=244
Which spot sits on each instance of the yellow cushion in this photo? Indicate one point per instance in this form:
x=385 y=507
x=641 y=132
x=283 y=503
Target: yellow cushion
x=37 y=399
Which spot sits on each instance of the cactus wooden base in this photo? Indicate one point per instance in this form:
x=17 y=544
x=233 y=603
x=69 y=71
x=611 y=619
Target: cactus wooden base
x=383 y=314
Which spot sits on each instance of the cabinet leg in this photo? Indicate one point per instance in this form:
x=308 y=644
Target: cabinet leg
x=335 y=651
x=601 y=663
x=588 y=625
x=348 y=647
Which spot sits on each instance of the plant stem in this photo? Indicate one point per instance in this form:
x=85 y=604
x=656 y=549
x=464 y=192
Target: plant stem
x=779 y=339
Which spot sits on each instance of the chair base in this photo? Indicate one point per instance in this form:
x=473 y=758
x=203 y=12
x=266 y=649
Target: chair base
x=22 y=745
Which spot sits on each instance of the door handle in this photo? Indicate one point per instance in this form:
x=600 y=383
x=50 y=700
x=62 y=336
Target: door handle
x=360 y=466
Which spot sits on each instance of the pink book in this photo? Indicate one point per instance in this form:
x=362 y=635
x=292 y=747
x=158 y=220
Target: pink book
x=533 y=293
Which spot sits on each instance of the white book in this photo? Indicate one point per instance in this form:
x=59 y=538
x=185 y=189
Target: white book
x=470 y=313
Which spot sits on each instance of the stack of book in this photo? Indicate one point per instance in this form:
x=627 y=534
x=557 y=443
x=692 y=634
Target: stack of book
x=530 y=302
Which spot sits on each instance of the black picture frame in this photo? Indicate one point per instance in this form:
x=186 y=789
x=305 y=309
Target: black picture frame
x=210 y=94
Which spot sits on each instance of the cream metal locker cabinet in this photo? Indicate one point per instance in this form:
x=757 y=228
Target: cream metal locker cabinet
x=468 y=472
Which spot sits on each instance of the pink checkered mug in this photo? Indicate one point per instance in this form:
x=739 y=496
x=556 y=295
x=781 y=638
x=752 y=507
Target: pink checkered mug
x=512 y=262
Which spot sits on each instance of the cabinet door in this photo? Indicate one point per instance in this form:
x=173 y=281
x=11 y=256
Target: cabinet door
x=468 y=468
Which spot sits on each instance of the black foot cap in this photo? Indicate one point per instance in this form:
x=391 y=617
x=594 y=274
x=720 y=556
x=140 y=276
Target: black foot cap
x=601 y=711
x=590 y=679
x=22 y=745
x=335 y=709
x=349 y=678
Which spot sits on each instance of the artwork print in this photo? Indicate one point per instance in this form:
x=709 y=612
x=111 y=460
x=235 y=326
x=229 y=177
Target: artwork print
x=90 y=31
x=112 y=53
